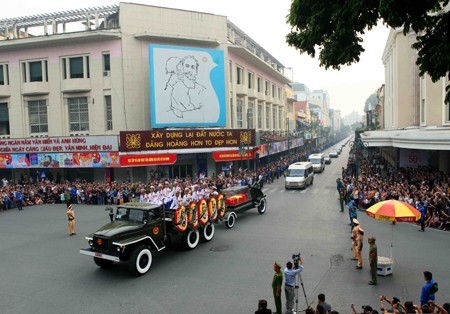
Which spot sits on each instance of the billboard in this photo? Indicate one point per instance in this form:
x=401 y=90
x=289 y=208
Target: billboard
x=131 y=141
x=187 y=86
x=61 y=160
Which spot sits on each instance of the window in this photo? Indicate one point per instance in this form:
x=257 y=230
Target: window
x=106 y=62
x=181 y=171
x=239 y=73
x=231 y=72
x=250 y=80
x=4 y=119
x=37 y=114
x=4 y=74
x=108 y=107
x=280 y=118
x=239 y=107
x=260 y=115
x=78 y=114
x=279 y=93
x=259 y=82
x=76 y=67
x=250 y=115
x=274 y=118
x=267 y=88
x=35 y=71
x=273 y=90
x=267 y=117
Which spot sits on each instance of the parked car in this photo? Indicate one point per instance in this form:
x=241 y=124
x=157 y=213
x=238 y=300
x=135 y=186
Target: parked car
x=327 y=159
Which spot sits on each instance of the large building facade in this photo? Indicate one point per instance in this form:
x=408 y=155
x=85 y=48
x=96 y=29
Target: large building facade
x=415 y=117
x=69 y=94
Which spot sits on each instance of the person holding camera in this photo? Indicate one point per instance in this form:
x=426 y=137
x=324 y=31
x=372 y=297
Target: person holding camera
x=289 y=284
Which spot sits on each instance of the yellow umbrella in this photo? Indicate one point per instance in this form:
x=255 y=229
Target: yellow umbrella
x=393 y=210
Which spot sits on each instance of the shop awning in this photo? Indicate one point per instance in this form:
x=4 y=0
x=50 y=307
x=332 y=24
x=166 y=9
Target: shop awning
x=414 y=138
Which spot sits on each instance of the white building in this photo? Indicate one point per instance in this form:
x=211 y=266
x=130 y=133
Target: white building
x=416 y=118
x=122 y=73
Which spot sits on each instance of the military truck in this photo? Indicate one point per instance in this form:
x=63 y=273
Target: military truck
x=139 y=229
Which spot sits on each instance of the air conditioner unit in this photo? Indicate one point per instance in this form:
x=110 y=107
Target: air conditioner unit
x=106 y=73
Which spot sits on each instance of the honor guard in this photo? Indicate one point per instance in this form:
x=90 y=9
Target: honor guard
x=176 y=200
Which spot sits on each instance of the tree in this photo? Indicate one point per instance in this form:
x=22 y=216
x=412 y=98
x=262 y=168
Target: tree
x=371 y=102
x=335 y=28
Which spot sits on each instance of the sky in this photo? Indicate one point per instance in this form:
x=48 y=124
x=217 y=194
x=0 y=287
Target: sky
x=264 y=22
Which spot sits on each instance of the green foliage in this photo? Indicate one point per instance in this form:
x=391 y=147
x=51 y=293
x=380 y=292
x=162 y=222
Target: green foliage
x=334 y=28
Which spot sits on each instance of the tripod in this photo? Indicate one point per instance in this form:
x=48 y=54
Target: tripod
x=298 y=282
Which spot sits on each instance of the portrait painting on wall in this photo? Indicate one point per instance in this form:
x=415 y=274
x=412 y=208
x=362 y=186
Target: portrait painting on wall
x=187 y=86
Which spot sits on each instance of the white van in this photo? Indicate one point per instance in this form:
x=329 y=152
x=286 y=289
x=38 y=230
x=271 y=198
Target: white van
x=299 y=175
x=318 y=162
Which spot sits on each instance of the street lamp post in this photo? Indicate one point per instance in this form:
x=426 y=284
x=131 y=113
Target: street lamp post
x=241 y=151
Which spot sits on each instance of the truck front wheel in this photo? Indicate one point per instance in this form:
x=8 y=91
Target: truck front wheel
x=103 y=263
x=140 y=260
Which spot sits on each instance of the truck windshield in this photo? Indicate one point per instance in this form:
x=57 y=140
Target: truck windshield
x=129 y=214
x=315 y=160
x=295 y=173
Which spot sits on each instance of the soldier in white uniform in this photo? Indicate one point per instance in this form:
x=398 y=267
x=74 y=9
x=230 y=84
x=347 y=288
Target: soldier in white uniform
x=187 y=197
x=196 y=193
x=176 y=200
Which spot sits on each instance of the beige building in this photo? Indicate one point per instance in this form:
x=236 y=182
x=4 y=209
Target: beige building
x=416 y=120
x=96 y=72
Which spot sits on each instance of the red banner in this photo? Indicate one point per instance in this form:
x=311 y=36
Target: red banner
x=147 y=159
x=154 y=140
x=231 y=155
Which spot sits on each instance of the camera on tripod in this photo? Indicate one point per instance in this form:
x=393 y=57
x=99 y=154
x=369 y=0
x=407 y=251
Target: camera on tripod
x=296 y=260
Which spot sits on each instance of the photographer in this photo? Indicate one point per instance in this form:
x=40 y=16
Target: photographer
x=289 y=285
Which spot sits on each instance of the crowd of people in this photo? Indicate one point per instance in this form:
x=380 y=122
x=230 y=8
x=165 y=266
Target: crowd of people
x=422 y=187
x=394 y=305
x=157 y=190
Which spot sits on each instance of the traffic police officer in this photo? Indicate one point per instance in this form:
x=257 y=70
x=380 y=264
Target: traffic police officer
x=71 y=219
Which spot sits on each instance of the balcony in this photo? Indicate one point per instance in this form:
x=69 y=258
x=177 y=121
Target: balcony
x=76 y=85
x=5 y=91
x=35 y=88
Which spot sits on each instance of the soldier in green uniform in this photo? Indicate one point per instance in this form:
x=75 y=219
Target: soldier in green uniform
x=342 y=198
x=276 y=286
x=373 y=260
